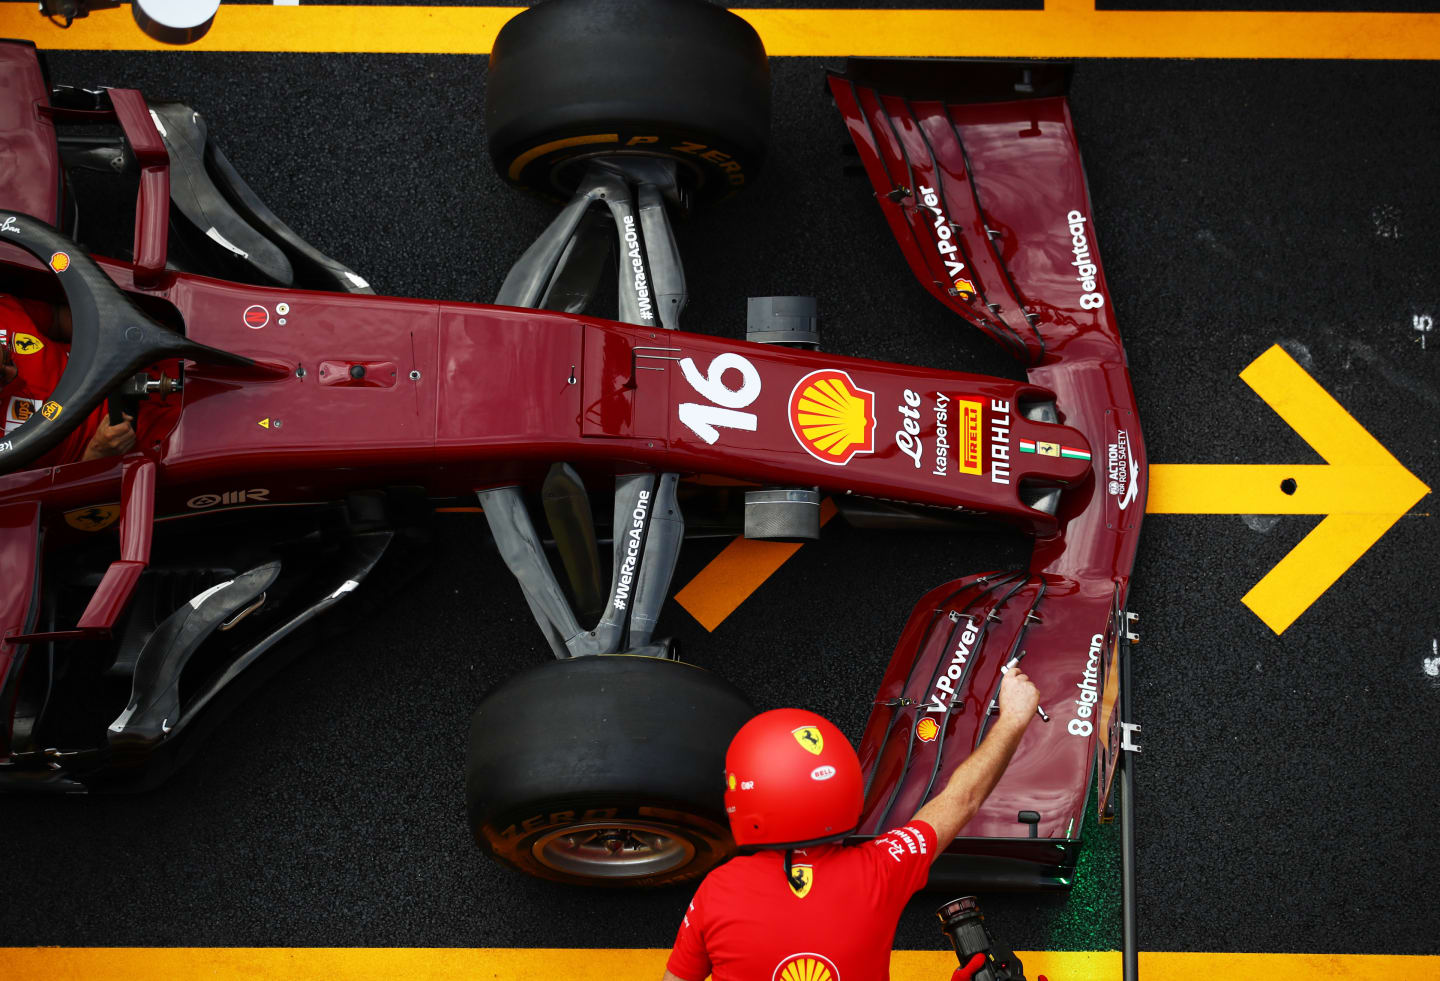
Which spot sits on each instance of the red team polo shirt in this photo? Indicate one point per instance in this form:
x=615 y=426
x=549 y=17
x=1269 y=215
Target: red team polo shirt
x=40 y=362
x=747 y=924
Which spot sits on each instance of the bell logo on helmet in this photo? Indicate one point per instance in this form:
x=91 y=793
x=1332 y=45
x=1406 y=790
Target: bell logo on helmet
x=806 y=875
x=809 y=739
x=824 y=772
x=806 y=967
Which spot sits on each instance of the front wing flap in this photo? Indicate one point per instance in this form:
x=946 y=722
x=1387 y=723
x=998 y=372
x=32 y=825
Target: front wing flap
x=977 y=170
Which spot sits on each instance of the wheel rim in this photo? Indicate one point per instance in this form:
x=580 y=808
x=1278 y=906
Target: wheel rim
x=607 y=850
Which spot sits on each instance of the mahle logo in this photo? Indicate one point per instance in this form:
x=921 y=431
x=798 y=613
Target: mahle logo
x=832 y=417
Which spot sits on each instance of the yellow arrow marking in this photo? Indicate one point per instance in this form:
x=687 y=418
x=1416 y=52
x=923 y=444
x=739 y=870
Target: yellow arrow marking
x=1064 y=29
x=1361 y=489
x=541 y=964
x=265 y=423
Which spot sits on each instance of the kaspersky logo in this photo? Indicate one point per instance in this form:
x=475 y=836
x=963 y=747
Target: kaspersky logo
x=832 y=417
x=806 y=967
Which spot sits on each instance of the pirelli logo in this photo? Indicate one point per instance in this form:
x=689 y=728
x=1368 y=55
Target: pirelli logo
x=972 y=431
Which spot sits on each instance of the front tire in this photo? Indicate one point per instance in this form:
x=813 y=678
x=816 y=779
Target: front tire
x=685 y=80
x=604 y=770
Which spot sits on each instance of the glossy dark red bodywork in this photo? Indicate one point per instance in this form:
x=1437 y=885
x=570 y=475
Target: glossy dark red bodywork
x=359 y=392
x=1009 y=189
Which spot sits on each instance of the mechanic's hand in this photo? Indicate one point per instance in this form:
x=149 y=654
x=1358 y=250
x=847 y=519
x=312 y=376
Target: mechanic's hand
x=114 y=440
x=1018 y=697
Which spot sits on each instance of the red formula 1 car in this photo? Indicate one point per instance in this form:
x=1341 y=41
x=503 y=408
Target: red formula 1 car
x=143 y=595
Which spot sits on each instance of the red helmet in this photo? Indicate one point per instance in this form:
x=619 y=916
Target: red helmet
x=791 y=779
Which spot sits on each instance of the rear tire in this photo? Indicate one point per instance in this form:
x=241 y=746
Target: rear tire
x=685 y=80
x=605 y=770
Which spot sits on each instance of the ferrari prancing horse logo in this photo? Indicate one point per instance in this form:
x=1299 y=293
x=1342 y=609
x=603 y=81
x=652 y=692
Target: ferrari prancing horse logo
x=27 y=344
x=809 y=739
x=93 y=518
x=806 y=875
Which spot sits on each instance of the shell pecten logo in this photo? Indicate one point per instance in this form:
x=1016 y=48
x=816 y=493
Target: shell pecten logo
x=806 y=967
x=832 y=417
x=927 y=729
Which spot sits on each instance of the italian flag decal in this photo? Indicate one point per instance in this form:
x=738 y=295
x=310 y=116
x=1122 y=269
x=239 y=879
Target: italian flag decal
x=1053 y=449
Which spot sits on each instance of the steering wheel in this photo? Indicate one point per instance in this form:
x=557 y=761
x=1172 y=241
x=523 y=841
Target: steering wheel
x=110 y=340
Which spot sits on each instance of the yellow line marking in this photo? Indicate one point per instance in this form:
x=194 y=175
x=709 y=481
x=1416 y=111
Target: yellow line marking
x=1064 y=29
x=1361 y=489
x=544 y=964
x=735 y=573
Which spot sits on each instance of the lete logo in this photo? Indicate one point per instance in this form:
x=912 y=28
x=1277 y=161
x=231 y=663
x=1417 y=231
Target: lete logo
x=832 y=417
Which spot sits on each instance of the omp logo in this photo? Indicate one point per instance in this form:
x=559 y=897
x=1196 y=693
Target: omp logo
x=201 y=501
x=806 y=875
x=809 y=739
x=27 y=344
x=972 y=431
x=832 y=417
x=926 y=730
x=806 y=967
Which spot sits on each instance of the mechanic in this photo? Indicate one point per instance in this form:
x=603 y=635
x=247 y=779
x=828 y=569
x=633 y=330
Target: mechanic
x=796 y=905
x=34 y=348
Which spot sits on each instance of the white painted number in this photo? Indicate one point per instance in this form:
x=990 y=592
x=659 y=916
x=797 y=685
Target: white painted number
x=705 y=420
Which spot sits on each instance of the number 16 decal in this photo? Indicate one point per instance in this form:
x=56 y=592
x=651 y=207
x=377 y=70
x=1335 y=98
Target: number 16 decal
x=706 y=421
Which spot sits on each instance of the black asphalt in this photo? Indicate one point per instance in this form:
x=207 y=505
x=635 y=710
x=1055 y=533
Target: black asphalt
x=1287 y=788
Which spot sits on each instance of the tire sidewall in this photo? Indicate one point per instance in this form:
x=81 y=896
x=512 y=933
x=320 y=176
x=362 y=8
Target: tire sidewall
x=686 y=80
x=594 y=739
x=710 y=166
x=513 y=838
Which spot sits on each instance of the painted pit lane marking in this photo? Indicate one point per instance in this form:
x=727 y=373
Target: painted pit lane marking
x=1361 y=489
x=1063 y=29
x=533 y=964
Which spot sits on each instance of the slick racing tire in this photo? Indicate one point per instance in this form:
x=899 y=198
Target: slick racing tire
x=685 y=80
x=604 y=770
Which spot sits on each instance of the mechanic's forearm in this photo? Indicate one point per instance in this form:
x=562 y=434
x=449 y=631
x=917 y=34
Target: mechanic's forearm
x=972 y=781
